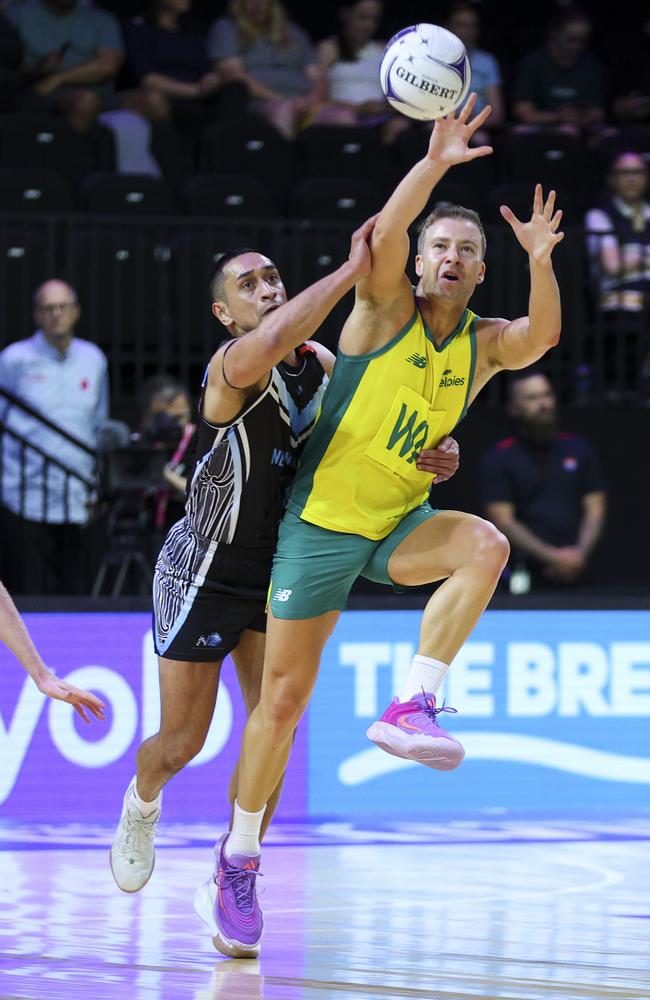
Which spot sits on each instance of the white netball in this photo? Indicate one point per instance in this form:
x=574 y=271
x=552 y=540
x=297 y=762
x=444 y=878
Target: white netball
x=425 y=72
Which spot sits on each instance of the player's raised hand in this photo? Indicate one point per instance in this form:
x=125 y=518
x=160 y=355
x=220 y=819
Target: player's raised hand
x=540 y=236
x=449 y=143
x=50 y=685
x=359 y=254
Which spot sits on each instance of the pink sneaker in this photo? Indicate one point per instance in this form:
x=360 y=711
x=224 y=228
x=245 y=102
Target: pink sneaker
x=410 y=729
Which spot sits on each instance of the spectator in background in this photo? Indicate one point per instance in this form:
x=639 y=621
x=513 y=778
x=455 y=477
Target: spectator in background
x=167 y=61
x=14 y=634
x=44 y=511
x=72 y=55
x=464 y=20
x=561 y=85
x=618 y=243
x=258 y=45
x=543 y=488
x=350 y=60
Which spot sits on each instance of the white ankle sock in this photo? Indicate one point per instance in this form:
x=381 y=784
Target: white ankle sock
x=146 y=808
x=244 y=837
x=425 y=674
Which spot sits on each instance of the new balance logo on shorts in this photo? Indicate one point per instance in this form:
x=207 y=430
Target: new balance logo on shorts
x=214 y=639
x=282 y=594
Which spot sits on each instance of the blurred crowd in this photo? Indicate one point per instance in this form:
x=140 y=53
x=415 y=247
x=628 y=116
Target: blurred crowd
x=154 y=90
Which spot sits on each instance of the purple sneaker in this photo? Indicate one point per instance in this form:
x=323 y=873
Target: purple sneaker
x=227 y=903
x=410 y=729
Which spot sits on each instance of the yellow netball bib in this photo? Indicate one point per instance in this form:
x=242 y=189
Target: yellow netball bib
x=358 y=472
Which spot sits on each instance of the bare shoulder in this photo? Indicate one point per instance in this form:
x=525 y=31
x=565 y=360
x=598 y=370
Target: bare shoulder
x=375 y=320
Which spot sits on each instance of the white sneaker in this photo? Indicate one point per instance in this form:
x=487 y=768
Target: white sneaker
x=132 y=852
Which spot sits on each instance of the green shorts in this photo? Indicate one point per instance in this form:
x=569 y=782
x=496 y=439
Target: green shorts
x=314 y=568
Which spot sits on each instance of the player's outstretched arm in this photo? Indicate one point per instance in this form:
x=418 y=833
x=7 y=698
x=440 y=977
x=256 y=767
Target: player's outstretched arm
x=253 y=356
x=520 y=342
x=449 y=145
x=14 y=634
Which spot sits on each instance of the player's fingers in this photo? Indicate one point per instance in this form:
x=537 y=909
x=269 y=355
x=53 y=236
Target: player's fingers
x=549 y=206
x=555 y=221
x=472 y=152
x=81 y=712
x=467 y=108
x=537 y=200
x=365 y=229
x=480 y=119
x=509 y=215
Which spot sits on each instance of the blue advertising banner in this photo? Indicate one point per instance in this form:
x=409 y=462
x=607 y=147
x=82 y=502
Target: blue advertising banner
x=553 y=711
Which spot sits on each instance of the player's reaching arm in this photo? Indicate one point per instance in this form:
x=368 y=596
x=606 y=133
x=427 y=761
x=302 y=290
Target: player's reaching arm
x=14 y=634
x=284 y=325
x=449 y=145
x=522 y=341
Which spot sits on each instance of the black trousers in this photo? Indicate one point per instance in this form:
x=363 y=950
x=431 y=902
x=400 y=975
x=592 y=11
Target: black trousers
x=44 y=559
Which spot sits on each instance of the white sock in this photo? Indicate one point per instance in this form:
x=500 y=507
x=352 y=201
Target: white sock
x=425 y=674
x=244 y=837
x=146 y=808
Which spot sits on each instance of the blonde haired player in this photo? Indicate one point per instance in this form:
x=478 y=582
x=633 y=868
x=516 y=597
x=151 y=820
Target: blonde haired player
x=409 y=364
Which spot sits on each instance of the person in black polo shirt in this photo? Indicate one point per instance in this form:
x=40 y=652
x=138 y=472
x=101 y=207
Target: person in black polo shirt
x=543 y=488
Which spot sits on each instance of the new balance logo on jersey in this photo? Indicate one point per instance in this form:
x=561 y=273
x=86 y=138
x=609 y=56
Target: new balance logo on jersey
x=282 y=458
x=418 y=360
x=214 y=639
x=412 y=435
x=282 y=594
x=448 y=379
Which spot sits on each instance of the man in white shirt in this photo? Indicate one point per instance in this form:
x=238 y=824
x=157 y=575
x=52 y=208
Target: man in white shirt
x=48 y=472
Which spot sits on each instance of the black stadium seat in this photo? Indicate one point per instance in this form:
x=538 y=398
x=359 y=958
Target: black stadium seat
x=340 y=199
x=228 y=196
x=45 y=142
x=34 y=191
x=126 y=194
x=250 y=148
x=27 y=258
x=344 y=151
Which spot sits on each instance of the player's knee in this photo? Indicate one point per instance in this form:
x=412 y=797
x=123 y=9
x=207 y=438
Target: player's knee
x=492 y=548
x=283 y=713
x=179 y=751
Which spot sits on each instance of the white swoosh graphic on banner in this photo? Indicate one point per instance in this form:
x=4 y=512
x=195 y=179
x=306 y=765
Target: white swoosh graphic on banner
x=515 y=749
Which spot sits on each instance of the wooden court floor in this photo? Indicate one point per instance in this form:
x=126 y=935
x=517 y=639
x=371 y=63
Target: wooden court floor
x=465 y=909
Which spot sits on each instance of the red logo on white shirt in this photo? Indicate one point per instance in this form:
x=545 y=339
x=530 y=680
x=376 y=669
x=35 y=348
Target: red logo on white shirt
x=84 y=384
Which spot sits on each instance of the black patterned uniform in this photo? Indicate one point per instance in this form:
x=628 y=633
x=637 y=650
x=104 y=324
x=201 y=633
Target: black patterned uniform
x=212 y=575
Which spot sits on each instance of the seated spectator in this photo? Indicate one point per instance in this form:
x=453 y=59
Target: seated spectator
x=618 y=243
x=258 y=45
x=11 y=57
x=351 y=60
x=465 y=21
x=72 y=55
x=46 y=495
x=561 y=85
x=167 y=61
x=543 y=488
